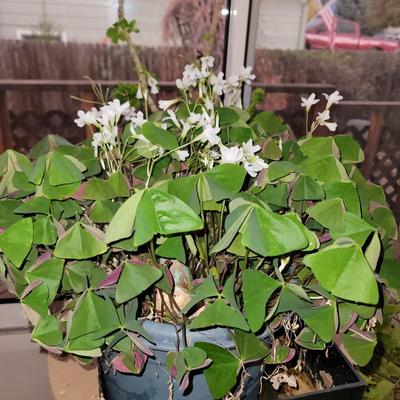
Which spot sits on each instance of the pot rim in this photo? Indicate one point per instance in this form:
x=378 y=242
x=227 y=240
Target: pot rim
x=165 y=336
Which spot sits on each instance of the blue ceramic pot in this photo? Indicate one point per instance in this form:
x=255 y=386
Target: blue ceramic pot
x=152 y=384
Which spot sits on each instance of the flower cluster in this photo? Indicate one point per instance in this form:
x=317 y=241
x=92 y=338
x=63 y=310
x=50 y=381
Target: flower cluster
x=324 y=116
x=245 y=155
x=197 y=130
x=202 y=77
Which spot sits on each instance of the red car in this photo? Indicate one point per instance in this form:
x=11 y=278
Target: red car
x=348 y=36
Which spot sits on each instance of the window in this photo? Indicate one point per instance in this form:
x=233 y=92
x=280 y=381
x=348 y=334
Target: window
x=316 y=26
x=345 y=27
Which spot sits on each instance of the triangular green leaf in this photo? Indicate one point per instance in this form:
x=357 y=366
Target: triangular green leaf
x=93 y=315
x=249 y=346
x=336 y=267
x=257 y=289
x=62 y=171
x=47 y=332
x=16 y=241
x=221 y=375
x=50 y=272
x=306 y=188
x=134 y=279
x=219 y=314
x=78 y=244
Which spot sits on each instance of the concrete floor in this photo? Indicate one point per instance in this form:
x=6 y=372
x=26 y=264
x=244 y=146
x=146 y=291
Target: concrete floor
x=29 y=373
x=23 y=368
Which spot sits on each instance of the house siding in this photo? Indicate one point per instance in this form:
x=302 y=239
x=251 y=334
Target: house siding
x=281 y=24
x=82 y=20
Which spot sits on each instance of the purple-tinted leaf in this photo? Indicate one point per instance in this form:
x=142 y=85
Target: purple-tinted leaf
x=111 y=278
x=78 y=195
x=205 y=364
x=352 y=320
x=169 y=276
x=379 y=316
x=364 y=335
x=96 y=232
x=136 y=260
x=140 y=360
x=60 y=229
x=292 y=353
x=326 y=237
x=118 y=364
x=197 y=282
x=139 y=344
x=185 y=382
x=276 y=323
x=30 y=287
x=51 y=349
x=173 y=371
x=42 y=258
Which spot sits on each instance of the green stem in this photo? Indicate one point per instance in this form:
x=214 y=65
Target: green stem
x=246 y=258
x=221 y=221
x=153 y=253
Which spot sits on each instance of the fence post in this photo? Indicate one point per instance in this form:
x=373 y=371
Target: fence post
x=5 y=123
x=371 y=148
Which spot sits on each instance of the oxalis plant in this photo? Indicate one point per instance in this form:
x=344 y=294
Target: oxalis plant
x=198 y=215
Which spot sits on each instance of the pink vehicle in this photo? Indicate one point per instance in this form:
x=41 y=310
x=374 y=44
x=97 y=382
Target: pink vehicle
x=347 y=37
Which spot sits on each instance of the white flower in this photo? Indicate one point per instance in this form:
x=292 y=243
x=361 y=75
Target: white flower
x=254 y=165
x=191 y=75
x=231 y=84
x=210 y=135
x=248 y=148
x=107 y=117
x=152 y=82
x=208 y=158
x=205 y=119
x=129 y=113
x=208 y=104
x=138 y=120
x=86 y=118
x=97 y=141
x=105 y=137
x=182 y=154
x=323 y=118
x=333 y=98
x=165 y=104
x=139 y=93
x=185 y=128
x=194 y=118
x=110 y=136
x=110 y=113
x=218 y=83
x=231 y=155
x=245 y=75
x=207 y=61
x=309 y=102
x=180 y=85
x=116 y=106
x=172 y=117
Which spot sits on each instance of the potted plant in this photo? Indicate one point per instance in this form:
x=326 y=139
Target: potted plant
x=178 y=245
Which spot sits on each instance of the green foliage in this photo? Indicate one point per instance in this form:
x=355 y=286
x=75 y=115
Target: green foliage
x=133 y=231
x=119 y=31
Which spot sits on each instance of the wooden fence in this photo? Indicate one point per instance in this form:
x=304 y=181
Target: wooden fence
x=35 y=108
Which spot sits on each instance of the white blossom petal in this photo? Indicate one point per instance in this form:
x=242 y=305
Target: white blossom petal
x=231 y=155
x=309 y=102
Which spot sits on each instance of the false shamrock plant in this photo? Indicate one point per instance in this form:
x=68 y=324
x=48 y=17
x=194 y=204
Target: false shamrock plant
x=199 y=215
